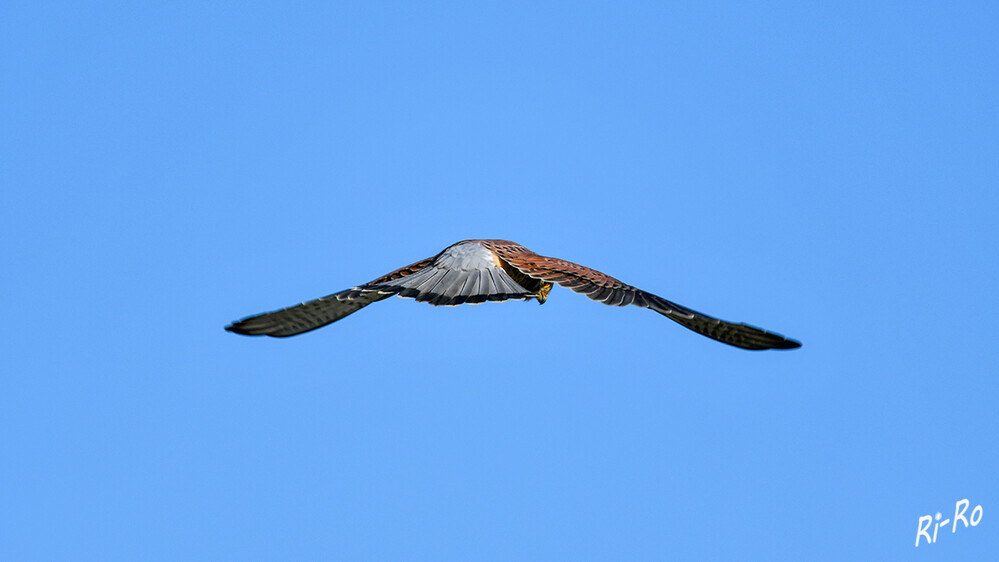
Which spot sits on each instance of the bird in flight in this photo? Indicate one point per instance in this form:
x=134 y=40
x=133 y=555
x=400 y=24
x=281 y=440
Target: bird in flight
x=475 y=271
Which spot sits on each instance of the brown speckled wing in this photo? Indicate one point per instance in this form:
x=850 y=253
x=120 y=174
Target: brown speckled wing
x=608 y=290
x=317 y=313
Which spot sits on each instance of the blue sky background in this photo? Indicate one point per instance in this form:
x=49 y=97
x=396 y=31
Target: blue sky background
x=826 y=171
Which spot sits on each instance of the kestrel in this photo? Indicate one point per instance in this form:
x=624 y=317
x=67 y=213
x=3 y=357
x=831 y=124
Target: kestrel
x=475 y=271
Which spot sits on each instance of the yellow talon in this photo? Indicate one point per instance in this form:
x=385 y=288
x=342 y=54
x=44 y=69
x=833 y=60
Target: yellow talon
x=543 y=292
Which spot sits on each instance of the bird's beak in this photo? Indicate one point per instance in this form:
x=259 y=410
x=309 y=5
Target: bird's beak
x=543 y=292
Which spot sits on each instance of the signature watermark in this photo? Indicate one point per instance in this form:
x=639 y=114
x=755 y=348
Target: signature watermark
x=960 y=509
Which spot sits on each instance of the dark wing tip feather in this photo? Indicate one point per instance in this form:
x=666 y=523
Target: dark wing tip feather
x=753 y=338
x=259 y=325
x=238 y=328
x=787 y=343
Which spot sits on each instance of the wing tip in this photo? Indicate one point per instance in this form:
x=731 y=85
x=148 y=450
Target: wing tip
x=262 y=325
x=243 y=328
x=785 y=343
x=791 y=344
x=754 y=338
x=235 y=328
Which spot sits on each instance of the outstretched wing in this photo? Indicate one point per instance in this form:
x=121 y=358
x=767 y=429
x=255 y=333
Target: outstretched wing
x=608 y=290
x=465 y=272
x=317 y=313
x=305 y=317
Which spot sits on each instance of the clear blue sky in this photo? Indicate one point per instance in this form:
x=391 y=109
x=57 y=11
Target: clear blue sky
x=826 y=171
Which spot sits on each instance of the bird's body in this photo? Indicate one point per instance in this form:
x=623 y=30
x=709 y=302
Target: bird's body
x=475 y=271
